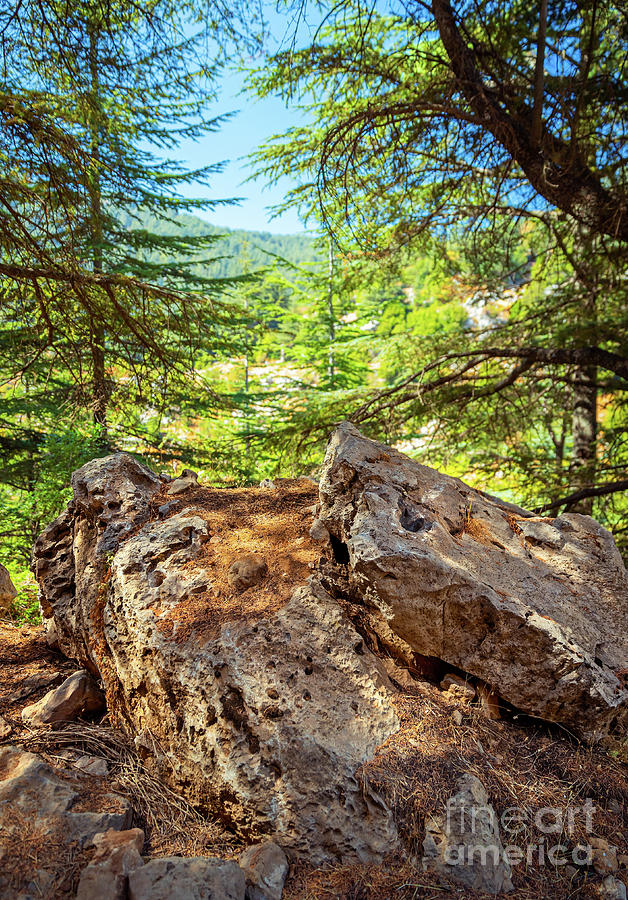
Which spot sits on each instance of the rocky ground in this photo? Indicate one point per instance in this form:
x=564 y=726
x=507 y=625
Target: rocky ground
x=227 y=676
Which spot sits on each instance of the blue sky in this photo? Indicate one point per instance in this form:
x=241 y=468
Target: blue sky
x=255 y=121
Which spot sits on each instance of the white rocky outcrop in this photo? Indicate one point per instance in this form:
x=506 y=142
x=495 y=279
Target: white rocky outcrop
x=535 y=607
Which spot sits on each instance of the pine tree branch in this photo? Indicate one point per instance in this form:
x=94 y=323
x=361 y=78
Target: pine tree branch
x=601 y=490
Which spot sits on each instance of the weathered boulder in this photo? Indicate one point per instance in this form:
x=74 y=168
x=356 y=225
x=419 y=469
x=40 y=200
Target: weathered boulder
x=7 y=590
x=463 y=843
x=536 y=608
x=195 y=878
x=78 y=694
x=266 y=716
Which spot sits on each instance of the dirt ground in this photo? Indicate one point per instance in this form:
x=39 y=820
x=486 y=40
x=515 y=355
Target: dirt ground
x=272 y=524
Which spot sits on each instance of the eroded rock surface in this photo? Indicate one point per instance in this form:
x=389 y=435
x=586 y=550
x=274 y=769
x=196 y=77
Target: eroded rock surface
x=265 y=717
x=537 y=608
x=196 y=878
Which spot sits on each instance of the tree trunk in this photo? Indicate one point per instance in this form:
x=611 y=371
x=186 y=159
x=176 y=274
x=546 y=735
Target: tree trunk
x=100 y=394
x=584 y=432
x=331 y=362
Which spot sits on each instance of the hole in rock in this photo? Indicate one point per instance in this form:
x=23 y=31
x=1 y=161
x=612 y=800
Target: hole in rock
x=412 y=521
x=339 y=550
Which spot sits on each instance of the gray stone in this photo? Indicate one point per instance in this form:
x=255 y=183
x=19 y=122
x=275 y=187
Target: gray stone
x=318 y=532
x=542 y=618
x=117 y=855
x=464 y=844
x=265 y=867
x=77 y=695
x=112 y=496
x=92 y=765
x=5 y=728
x=202 y=694
x=612 y=889
x=196 y=878
x=290 y=764
x=187 y=479
x=29 y=785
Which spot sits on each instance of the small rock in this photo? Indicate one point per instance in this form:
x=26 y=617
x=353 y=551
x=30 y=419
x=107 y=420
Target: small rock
x=52 y=637
x=622 y=860
x=166 y=508
x=318 y=532
x=5 y=728
x=119 y=816
x=77 y=695
x=268 y=485
x=265 y=868
x=457 y=687
x=117 y=855
x=186 y=480
x=92 y=765
x=604 y=856
x=464 y=844
x=399 y=674
x=8 y=591
x=612 y=889
x=30 y=789
x=489 y=702
x=615 y=806
x=246 y=572
x=196 y=878
x=571 y=871
x=457 y=716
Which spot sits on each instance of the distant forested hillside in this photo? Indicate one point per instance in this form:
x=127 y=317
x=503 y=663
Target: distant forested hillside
x=236 y=251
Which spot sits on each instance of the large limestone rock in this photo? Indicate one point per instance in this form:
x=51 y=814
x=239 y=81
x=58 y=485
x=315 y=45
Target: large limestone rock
x=265 y=718
x=71 y=557
x=535 y=607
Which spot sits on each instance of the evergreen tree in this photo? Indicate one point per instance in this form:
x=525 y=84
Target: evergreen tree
x=94 y=95
x=487 y=129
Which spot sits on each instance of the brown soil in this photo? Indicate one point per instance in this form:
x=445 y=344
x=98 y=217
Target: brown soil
x=271 y=524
